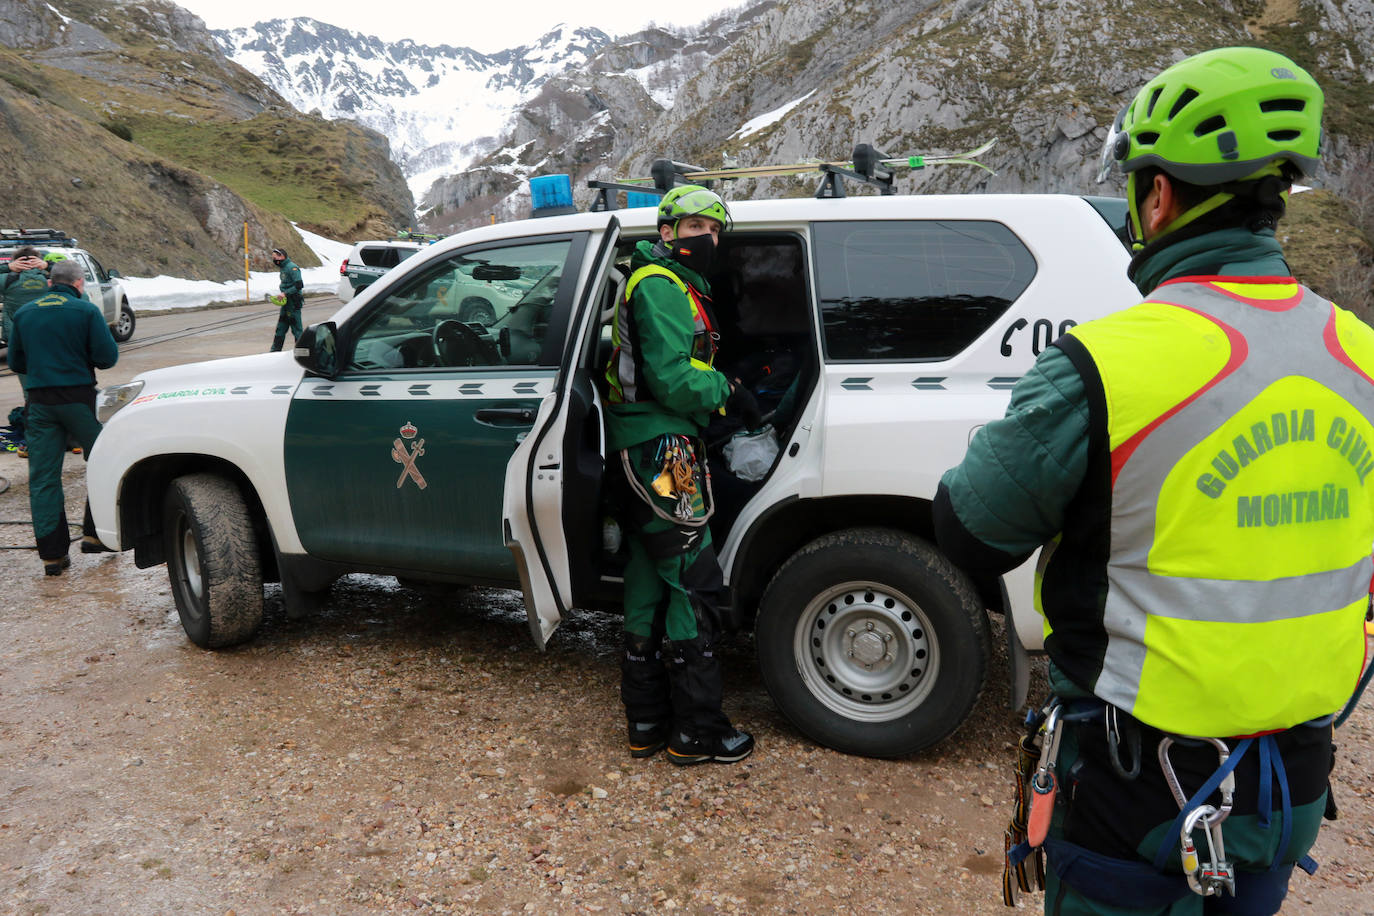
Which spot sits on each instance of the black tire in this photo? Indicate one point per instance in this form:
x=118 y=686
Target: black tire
x=871 y=642
x=212 y=560
x=123 y=328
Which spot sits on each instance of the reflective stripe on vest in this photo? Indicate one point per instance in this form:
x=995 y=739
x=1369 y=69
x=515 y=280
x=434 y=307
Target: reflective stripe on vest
x=1239 y=417
x=621 y=375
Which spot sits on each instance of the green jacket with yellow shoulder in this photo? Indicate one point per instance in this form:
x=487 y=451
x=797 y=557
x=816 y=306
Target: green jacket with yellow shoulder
x=660 y=378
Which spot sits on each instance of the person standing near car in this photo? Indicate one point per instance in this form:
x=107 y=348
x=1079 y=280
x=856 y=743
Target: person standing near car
x=662 y=390
x=24 y=281
x=60 y=339
x=292 y=289
x=1196 y=468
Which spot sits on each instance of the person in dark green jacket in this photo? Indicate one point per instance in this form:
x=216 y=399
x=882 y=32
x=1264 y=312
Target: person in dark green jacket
x=24 y=281
x=1117 y=448
x=60 y=338
x=663 y=389
x=292 y=289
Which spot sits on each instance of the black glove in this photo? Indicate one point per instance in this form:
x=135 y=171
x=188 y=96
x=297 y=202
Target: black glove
x=742 y=404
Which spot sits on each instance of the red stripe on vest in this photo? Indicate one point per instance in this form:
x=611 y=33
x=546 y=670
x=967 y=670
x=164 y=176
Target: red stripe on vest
x=1239 y=351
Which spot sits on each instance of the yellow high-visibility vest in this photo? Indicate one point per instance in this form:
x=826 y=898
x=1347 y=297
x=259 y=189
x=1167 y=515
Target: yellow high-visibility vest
x=1240 y=423
x=622 y=377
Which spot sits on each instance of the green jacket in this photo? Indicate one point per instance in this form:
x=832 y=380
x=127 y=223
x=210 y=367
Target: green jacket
x=17 y=290
x=58 y=338
x=291 y=284
x=1009 y=494
x=23 y=287
x=683 y=396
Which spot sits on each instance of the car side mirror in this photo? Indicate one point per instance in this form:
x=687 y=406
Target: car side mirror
x=316 y=350
x=112 y=274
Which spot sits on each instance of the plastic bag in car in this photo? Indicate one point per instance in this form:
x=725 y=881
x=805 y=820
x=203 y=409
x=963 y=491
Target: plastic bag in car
x=750 y=455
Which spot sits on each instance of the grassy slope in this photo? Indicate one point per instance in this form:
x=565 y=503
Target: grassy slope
x=159 y=204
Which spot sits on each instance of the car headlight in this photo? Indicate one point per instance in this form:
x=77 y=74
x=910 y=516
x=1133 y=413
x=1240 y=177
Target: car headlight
x=114 y=398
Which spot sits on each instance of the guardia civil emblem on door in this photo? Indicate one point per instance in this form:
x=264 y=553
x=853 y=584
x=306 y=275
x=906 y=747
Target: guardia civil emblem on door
x=402 y=453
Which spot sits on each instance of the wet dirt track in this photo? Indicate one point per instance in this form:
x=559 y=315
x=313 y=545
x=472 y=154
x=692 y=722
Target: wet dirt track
x=409 y=752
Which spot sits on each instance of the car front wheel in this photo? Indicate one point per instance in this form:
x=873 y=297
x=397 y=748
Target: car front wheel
x=124 y=327
x=212 y=560
x=871 y=642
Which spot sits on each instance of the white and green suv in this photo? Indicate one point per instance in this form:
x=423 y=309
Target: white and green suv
x=881 y=330
x=103 y=288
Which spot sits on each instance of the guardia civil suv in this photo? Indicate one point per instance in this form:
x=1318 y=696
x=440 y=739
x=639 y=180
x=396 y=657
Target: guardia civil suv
x=881 y=331
x=103 y=288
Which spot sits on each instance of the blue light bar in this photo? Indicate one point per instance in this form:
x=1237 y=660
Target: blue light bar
x=551 y=195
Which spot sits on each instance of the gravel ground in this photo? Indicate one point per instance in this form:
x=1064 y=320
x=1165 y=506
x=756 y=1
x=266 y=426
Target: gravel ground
x=409 y=752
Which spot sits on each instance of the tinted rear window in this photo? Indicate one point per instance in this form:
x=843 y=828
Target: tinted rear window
x=385 y=257
x=914 y=290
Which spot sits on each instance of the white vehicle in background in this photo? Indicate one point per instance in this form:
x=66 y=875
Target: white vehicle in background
x=879 y=331
x=103 y=288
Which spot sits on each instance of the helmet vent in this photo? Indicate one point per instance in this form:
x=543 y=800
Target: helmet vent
x=1284 y=136
x=1147 y=138
x=1209 y=126
x=1283 y=105
x=1184 y=98
x=1154 y=97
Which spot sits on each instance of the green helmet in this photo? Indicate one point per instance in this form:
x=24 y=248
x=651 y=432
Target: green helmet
x=52 y=257
x=1220 y=116
x=693 y=200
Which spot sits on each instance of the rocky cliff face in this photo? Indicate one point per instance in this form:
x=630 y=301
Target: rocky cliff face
x=127 y=127
x=928 y=76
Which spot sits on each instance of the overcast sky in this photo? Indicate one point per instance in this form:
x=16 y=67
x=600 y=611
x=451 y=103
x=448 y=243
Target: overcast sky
x=482 y=25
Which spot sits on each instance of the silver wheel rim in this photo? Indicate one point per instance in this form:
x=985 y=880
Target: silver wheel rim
x=865 y=651
x=190 y=564
x=125 y=323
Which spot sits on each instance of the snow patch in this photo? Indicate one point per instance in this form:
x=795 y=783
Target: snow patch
x=754 y=125
x=160 y=294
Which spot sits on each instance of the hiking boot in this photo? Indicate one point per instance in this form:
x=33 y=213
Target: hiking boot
x=647 y=738
x=22 y=451
x=732 y=747
x=91 y=544
x=55 y=567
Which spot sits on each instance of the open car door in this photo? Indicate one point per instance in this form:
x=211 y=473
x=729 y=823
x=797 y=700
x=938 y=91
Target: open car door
x=553 y=481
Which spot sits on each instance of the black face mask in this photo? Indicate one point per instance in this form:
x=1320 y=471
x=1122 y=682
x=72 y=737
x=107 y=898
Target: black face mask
x=696 y=253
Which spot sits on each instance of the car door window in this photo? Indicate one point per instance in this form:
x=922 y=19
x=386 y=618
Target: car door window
x=915 y=290
x=86 y=267
x=100 y=274
x=474 y=309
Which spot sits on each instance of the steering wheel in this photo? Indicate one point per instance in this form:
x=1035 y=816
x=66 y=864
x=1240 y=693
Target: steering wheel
x=457 y=344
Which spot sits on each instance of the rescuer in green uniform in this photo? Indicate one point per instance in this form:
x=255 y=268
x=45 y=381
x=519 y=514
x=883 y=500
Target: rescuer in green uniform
x=293 y=290
x=662 y=391
x=1196 y=468
x=60 y=338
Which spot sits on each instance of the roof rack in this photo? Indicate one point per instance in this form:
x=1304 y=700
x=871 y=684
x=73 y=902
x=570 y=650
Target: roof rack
x=49 y=238
x=867 y=166
x=426 y=238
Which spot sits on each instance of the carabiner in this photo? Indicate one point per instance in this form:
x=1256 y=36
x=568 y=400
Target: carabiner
x=1228 y=782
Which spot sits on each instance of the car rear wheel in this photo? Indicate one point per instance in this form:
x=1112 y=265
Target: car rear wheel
x=124 y=327
x=871 y=642
x=212 y=560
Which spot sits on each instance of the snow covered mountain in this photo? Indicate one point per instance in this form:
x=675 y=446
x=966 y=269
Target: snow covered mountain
x=443 y=107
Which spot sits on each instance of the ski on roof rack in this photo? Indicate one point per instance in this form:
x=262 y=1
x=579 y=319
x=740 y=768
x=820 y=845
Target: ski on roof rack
x=868 y=166
x=11 y=238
